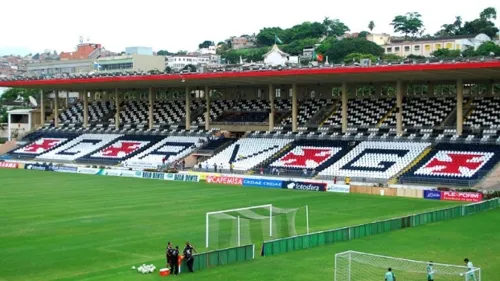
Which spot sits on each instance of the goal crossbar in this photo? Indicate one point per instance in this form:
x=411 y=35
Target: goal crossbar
x=207 y=228
x=402 y=259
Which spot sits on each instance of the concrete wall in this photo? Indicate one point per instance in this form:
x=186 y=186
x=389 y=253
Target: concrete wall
x=146 y=63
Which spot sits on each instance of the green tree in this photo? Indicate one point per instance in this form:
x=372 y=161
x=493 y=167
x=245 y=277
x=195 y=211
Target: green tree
x=357 y=57
x=446 y=53
x=487 y=49
x=168 y=69
x=254 y=54
x=181 y=52
x=338 y=50
x=205 y=44
x=391 y=58
x=371 y=26
x=296 y=47
x=11 y=94
x=483 y=24
x=409 y=24
x=363 y=34
x=163 y=53
x=266 y=36
x=190 y=68
x=334 y=27
x=303 y=31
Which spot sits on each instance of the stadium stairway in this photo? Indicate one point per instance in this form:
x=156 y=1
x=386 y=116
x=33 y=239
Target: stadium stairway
x=451 y=120
x=491 y=181
x=330 y=113
x=389 y=113
x=321 y=115
x=276 y=156
x=395 y=179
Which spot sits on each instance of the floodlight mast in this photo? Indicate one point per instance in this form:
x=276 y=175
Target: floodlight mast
x=207 y=230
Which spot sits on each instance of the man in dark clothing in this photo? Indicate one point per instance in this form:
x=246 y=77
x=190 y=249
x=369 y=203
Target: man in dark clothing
x=188 y=256
x=174 y=261
x=169 y=253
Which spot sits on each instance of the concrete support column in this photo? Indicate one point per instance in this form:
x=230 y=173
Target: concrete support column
x=10 y=126
x=344 y=107
x=117 y=109
x=188 y=109
x=150 y=112
x=460 y=103
x=67 y=99
x=400 y=91
x=430 y=89
x=294 y=107
x=207 y=113
x=271 y=105
x=85 y=109
x=378 y=90
x=42 y=108
x=56 y=109
x=490 y=89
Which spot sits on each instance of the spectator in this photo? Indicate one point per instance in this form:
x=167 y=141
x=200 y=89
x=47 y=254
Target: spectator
x=215 y=168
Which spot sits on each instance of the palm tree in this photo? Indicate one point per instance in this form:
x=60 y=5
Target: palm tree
x=371 y=26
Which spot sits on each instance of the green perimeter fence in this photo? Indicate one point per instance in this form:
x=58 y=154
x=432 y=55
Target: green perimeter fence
x=221 y=257
x=316 y=239
x=274 y=247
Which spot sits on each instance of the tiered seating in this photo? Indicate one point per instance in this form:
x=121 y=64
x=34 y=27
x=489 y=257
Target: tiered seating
x=361 y=113
x=97 y=111
x=423 y=112
x=376 y=160
x=244 y=117
x=313 y=155
x=171 y=149
x=454 y=164
x=247 y=153
x=164 y=112
x=44 y=144
x=216 y=109
x=120 y=149
x=306 y=111
x=486 y=113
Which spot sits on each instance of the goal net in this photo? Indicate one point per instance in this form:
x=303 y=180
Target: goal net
x=356 y=266
x=244 y=226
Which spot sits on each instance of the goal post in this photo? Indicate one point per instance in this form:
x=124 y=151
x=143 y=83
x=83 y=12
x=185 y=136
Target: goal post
x=242 y=226
x=358 y=266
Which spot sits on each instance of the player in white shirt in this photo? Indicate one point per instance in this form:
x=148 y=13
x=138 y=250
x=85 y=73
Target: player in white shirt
x=469 y=275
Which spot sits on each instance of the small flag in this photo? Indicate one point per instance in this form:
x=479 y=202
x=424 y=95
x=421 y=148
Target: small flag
x=97 y=65
x=319 y=57
x=277 y=40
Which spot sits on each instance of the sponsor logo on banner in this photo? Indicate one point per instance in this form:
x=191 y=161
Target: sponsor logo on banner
x=225 y=180
x=8 y=165
x=262 y=183
x=309 y=186
x=455 y=164
x=182 y=177
x=432 y=194
x=121 y=173
x=461 y=196
x=64 y=169
x=339 y=188
x=153 y=175
x=38 y=167
x=89 y=171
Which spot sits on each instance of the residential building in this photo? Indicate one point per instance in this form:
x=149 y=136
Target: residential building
x=146 y=51
x=178 y=62
x=243 y=42
x=83 y=51
x=379 y=38
x=425 y=47
x=211 y=50
x=106 y=64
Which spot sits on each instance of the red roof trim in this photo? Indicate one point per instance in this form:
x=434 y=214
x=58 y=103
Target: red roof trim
x=261 y=73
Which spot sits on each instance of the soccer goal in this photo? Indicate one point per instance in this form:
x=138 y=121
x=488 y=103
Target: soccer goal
x=244 y=226
x=357 y=266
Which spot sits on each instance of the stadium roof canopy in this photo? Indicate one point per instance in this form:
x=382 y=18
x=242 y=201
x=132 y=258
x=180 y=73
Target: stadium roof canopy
x=470 y=72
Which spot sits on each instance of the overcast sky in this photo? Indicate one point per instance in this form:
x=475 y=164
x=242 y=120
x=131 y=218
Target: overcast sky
x=34 y=25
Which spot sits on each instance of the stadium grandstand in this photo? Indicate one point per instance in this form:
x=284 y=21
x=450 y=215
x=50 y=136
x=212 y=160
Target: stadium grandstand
x=416 y=122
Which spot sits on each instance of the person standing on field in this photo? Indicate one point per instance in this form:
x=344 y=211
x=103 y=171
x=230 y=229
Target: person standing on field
x=169 y=254
x=389 y=275
x=188 y=255
x=174 y=261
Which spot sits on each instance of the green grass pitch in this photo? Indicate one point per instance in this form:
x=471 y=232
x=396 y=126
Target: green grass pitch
x=56 y=226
